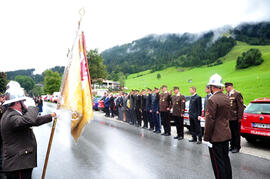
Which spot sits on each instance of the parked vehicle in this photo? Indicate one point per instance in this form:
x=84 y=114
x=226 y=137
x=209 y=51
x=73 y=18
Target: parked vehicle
x=256 y=120
x=96 y=102
x=186 y=115
x=55 y=97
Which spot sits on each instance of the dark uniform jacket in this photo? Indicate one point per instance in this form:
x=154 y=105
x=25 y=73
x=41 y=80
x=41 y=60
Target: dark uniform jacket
x=19 y=142
x=149 y=102
x=131 y=102
x=237 y=106
x=111 y=102
x=155 y=102
x=119 y=101
x=125 y=99
x=137 y=102
x=217 y=128
x=143 y=102
x=195 y=106
x=178 y=105
x=164 y=101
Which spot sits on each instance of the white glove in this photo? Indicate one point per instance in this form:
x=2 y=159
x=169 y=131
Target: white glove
x=58 y=113
x=210 y=145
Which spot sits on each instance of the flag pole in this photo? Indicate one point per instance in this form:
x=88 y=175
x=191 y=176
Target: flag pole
x=81 y=12
x=49 y=148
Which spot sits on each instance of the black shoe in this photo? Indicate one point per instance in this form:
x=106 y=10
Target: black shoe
x=167 y=134
x=235 y=150
x=192 y=140
x=199 y=142
x=230 y=149
x=150 y=129
x=180 y=138
x=176 y=137
x=163 y=133
x=158 y=132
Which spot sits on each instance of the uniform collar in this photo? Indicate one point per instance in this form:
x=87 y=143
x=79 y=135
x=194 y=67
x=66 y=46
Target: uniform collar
x=194 y=94
x=178 y=94
x=217 y=92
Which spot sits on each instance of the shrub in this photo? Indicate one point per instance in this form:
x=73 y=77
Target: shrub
x=252 y=57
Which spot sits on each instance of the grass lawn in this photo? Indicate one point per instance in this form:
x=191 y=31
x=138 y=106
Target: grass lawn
x=253 y=82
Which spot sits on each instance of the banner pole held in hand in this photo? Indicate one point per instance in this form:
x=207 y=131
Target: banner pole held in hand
x=49 y=148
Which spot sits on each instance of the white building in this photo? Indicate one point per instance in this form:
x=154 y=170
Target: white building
x=105 y=84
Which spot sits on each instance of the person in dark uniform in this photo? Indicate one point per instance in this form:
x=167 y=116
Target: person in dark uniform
x=138 y=109
x=217 y=131
x=149 y=114
x=195 y=112
x=143 y=108
x=155 y=111
x=19 y=143
x=125 y=108
x=119 y=106
x=178 y=110
x=111 y=106
x=208 y=94
x=107 y=106
x=165 y=103
x=132 y=108
x=237 y=110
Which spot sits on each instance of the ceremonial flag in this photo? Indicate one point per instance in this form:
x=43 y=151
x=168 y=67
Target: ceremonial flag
x=76 y=93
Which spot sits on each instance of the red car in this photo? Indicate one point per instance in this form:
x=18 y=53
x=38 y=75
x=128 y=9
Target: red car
x=101 y=105
x=256 y=120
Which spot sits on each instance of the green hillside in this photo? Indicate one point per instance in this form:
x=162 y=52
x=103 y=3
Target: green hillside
x=253 y=82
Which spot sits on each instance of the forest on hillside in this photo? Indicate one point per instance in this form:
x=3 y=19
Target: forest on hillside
x=157 y=52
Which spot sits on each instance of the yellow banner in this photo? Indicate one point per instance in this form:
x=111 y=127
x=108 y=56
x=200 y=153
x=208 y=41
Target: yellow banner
x=76 y=89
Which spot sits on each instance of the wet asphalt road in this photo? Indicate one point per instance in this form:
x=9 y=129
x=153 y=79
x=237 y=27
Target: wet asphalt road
x=109 y=149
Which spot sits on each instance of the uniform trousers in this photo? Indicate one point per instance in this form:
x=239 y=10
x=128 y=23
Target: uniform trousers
x=179 y=122
x=145 y=121
x=166 y=122
x=235 y=130
x=195 y=128
x=150 y=119
x=156 y=119
x=138 y=117
x=219 y=154
x=20 y=174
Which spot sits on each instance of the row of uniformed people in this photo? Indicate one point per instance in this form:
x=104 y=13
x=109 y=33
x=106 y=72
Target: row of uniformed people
x=150 y=109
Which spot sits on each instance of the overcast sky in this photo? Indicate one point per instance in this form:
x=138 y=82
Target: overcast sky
x=37 y=34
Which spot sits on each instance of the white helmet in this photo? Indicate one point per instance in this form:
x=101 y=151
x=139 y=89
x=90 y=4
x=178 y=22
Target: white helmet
x=14 y=93
x=216 y=80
